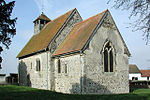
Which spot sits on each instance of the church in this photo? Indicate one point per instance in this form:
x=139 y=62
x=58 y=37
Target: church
x=75 y=56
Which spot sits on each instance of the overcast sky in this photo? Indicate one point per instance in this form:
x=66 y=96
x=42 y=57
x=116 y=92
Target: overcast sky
x=28 y=10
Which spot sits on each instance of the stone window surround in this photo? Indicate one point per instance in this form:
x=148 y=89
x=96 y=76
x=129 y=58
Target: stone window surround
x=36 y=64
x=112 y=49
x=63 y=67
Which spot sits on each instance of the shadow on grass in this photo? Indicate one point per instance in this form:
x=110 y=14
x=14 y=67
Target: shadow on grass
x=25 y=93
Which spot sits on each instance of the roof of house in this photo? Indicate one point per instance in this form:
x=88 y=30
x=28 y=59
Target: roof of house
x=133 y=69
x=40 y=41
x=145 y=73
x=79 y=35
x=43 y=17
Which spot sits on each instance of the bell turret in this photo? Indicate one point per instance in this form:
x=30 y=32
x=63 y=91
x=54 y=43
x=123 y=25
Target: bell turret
x=40 y=22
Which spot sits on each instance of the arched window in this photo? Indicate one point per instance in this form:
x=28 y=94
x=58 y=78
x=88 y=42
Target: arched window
x=108 y=57
x=38 y=65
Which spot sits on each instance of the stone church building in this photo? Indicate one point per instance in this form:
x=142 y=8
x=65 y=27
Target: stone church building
x=71 y=55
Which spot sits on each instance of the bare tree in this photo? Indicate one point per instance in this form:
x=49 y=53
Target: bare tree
x=139 y=9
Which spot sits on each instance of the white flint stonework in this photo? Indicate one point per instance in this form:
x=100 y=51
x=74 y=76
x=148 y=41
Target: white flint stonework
x=82 y=72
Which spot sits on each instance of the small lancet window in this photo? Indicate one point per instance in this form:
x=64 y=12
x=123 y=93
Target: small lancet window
x=38 y=65
x=59 y=66
x=108 y=57
x=31 y=65
x=65 y=68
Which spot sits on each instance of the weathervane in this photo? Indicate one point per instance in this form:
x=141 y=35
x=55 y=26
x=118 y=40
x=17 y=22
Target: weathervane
x=42 y=6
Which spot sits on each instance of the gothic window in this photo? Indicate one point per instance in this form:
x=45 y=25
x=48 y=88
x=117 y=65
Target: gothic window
x=108 y=57
x=38 y=65
x=59 y=66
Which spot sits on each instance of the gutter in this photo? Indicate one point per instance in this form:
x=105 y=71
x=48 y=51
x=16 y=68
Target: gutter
x=33 y=53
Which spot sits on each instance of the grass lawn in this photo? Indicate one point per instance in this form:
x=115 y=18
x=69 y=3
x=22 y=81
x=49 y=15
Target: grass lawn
x=11 y=92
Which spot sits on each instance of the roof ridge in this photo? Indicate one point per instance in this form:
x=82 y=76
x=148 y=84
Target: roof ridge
x=93 y=16
x=57 y=18
x=41 y=17
x=64 y=13
x=64 y=48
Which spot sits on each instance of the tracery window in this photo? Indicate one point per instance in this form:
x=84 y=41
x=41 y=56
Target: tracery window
x=108 y=57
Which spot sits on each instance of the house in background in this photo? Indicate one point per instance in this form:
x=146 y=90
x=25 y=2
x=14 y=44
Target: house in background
x=2 y=78
x=71 y=55
x=138 y=78
x=134 y=72
x=145 y=74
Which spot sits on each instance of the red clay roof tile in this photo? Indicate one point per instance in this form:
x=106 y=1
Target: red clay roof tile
x=145 y=73
x=79 y=35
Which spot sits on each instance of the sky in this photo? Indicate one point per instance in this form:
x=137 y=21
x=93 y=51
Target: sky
x=28 y=10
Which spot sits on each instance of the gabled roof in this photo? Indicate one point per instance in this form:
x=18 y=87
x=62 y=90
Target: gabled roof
x=79 y=35
x=40 y=41
x=42 y=17
x=145 y=73
x=133 y=69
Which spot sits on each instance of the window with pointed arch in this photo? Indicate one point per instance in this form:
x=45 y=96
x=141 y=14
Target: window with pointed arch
x=108 y=52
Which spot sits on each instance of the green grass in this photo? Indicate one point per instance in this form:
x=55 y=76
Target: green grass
x=11 y=92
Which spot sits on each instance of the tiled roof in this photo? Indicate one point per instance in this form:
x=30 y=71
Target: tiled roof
x=133 y=69
x=43 y=17
x=40 y=41
x=79 y=35
x=145 y=73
